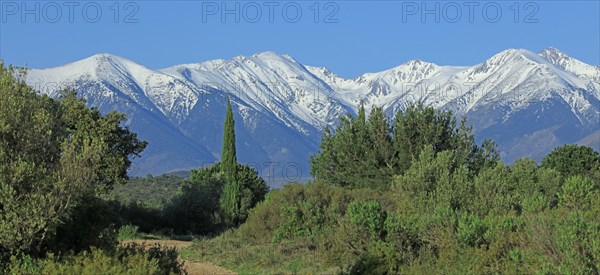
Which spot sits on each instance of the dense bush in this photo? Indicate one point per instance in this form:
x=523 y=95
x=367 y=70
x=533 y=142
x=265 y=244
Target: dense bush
x=197 y=208
x=368 y=151
x=126 y=260
x=92 y=224
x=579 y=193
x=148 y=192
x=571 y=160
x=453 y=209
x=54 y=156
x=128 y=232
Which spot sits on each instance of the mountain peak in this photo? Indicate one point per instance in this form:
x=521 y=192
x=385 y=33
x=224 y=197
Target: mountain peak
x=551 y=50
x=509 y=57
x=269 y=55
x=554 y=55
x=100 y=58
x=570 y=64
x=514 y=55
x=283 y=104
x=417 y=64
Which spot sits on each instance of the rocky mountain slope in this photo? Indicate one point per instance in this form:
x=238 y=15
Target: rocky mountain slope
x=529 y=103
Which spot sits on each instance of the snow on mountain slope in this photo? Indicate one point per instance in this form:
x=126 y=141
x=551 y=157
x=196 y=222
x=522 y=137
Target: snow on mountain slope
x=273 y=84
x=516 y=76
x=570 y=64
x=515 y=97
x=111 y=83
x=581 y=70
x=152 y=90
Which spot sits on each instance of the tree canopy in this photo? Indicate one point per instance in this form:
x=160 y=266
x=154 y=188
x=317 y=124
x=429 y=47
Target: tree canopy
x=53 y=153
x=367 y=151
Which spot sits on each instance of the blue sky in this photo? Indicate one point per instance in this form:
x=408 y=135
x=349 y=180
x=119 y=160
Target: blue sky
x=349 y=37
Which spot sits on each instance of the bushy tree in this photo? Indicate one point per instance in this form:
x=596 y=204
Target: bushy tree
x=236 y=188
x=354 y=156
x=367 y=152
x=243 y=187
x=579 y=193
x=195 y=208
x=53 y=154
x=571 y=160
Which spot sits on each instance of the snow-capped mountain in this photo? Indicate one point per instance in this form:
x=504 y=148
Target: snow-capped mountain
x=529 y=103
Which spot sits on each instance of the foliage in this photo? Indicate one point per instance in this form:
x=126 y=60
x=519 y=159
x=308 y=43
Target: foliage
x=195 y=208
x=98 y=262
x=579 y=193
x=129 y=259
x=91 y=224
x=295 y=229
x=128 y=232
x=237 y=187
x=367 y=152
x=53 y=154
x=230 y=200
x=571 y=160
x=366 y=218
x=228 y=154
x=152 y=193
x=147 y=219
x=440 y=216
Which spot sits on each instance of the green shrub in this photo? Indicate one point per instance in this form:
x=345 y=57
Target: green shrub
x=366 y=217
x=402 y=233
x=129 y=259
x=304 y=220
x=92 y=224
x=578 y=240
x=128 y=232
x=23 y=264
x=471 y=231
x=99 y=262
x=195 y=208
x=166 y=257
x=571 y=160
x=578 y=193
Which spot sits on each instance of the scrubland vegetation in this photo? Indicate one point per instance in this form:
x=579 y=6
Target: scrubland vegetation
x=411 y=194
x=380 y=205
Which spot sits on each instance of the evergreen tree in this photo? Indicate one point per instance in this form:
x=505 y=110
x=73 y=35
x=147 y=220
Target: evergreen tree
x=572 y=160
x=228 y=155
x=230 y=199
x=418 y=126
x=366 y=152
x=237 y=187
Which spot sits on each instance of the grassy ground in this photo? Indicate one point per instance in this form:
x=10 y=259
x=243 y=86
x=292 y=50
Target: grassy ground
x=190 y=266
x=246 y=258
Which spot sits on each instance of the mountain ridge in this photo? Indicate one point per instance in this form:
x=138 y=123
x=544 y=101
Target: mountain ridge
x=282 y=105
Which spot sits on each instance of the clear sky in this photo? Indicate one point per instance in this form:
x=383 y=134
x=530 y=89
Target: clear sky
x=349 y=37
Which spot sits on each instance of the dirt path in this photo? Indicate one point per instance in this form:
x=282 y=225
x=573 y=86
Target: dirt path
x=192 y=268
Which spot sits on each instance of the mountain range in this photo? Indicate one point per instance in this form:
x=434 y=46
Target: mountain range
x=529 y=103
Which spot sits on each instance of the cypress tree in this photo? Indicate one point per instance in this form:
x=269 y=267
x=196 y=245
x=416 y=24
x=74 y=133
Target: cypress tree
x=228 y=155
x=231 y=190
